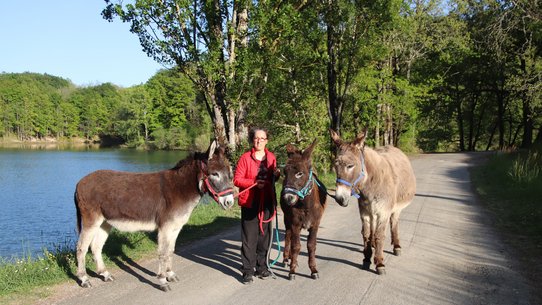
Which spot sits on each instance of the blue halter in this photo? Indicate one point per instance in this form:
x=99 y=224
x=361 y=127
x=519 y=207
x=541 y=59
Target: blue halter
x=352 y=185
x=307 y=188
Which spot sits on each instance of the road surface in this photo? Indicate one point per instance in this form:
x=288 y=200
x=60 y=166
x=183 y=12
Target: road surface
x=451 y=255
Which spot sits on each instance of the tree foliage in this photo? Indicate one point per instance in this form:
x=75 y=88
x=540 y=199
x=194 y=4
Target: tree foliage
x=423 y=75
x=162 y=113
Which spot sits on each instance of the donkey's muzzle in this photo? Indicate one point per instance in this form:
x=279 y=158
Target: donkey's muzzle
x=341 y=201
x=288 y=197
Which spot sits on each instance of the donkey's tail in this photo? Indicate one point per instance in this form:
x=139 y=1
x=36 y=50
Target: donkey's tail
x=76 y=201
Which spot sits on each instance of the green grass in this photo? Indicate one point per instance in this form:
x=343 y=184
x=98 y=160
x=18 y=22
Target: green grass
x=513 y=192
x=23 y=277
x=510 y=185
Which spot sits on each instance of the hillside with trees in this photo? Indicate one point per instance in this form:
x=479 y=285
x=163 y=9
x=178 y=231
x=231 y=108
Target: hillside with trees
x=162 y=114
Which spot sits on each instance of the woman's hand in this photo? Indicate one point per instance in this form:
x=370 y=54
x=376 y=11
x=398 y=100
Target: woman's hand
x=277 y=173
x=260 y=183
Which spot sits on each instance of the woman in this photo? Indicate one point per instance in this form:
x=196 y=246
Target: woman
x=256 y=171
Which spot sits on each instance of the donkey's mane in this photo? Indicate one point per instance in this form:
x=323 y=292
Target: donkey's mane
x=188 y=160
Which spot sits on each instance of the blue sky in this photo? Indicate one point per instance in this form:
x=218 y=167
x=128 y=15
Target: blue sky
x=70 y=39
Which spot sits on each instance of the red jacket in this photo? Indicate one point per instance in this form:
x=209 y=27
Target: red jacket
x=245 y=176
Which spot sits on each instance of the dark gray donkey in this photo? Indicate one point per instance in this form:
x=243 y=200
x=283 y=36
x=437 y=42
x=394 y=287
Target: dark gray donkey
x=303 y=204
x=160 y=201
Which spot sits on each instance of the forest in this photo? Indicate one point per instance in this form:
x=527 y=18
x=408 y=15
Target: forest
x=460 y=75
x=163 y=113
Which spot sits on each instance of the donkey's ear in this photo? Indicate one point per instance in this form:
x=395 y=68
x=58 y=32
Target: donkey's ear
x=335 y=137
x=290 y=149
x=360 y=139
x=308 y=151
x=211 y=149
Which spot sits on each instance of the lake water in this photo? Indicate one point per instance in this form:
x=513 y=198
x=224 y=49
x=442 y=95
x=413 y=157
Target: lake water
x=37 y=186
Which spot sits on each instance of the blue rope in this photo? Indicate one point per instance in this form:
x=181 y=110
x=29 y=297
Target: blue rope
x=277 y=240
x=276 y=236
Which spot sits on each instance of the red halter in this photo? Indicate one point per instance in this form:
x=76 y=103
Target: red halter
x=214 y=193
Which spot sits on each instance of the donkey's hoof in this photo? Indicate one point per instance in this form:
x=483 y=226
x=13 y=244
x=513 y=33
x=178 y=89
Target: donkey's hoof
x=315 y=275
x=86 y=284
x=381 y=270
x=366 y=265
x=165 y=287
x=291 y=276
x=173 y=278
x=397 y=251
x=107 y=277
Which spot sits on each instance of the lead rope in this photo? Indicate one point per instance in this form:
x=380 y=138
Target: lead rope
x=276 y=234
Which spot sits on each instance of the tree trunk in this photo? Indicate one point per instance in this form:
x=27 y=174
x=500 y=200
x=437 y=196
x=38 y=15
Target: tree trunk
x=377 y=131
x=479 y=126
x=538 y=139
x=527 y=115
x=460 y=126
x=335 y=105
x=500 y=114
x=473 y=104
x=490 y=141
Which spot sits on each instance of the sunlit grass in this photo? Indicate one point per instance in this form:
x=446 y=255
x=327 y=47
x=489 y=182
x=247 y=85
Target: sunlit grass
x=526 y=167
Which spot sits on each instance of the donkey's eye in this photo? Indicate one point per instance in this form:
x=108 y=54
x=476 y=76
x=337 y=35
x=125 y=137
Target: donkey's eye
x=215 y=174
x=350 y=166
x=299 y=175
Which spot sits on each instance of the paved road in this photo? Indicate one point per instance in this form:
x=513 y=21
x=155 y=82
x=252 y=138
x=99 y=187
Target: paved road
x=450 y=256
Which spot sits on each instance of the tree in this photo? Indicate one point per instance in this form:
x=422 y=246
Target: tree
x=351 y=39
x=134 y=116
x=202 y=38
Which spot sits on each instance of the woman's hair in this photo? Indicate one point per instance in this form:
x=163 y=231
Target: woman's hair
x=252 y=132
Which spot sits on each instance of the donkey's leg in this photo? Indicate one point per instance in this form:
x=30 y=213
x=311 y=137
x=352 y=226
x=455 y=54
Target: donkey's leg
x=394 y=229
x=366 y=233
x=288 y=234
x=296 y=247
x=162 y=259
x=85 y=238
x=379 y=236
x=165 y=237
x=311 y=248
x=96 y=246
x=171 y=276
x=287 y=245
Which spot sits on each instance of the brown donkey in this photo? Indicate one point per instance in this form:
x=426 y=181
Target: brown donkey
x=383 y=181
x=161 y=200
x=303 y=204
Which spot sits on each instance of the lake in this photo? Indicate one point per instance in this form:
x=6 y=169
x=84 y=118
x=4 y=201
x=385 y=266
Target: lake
x=37 y=187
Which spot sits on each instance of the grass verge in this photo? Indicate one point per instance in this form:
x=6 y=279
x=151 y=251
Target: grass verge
x=510 y=186
x=26 y=278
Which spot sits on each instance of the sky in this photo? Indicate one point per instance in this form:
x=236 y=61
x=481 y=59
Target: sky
x=70 y=39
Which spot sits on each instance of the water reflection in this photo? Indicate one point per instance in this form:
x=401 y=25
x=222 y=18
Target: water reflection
x=37 y=185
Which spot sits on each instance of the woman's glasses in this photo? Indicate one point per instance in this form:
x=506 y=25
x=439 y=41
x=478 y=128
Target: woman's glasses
x=260 y=139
